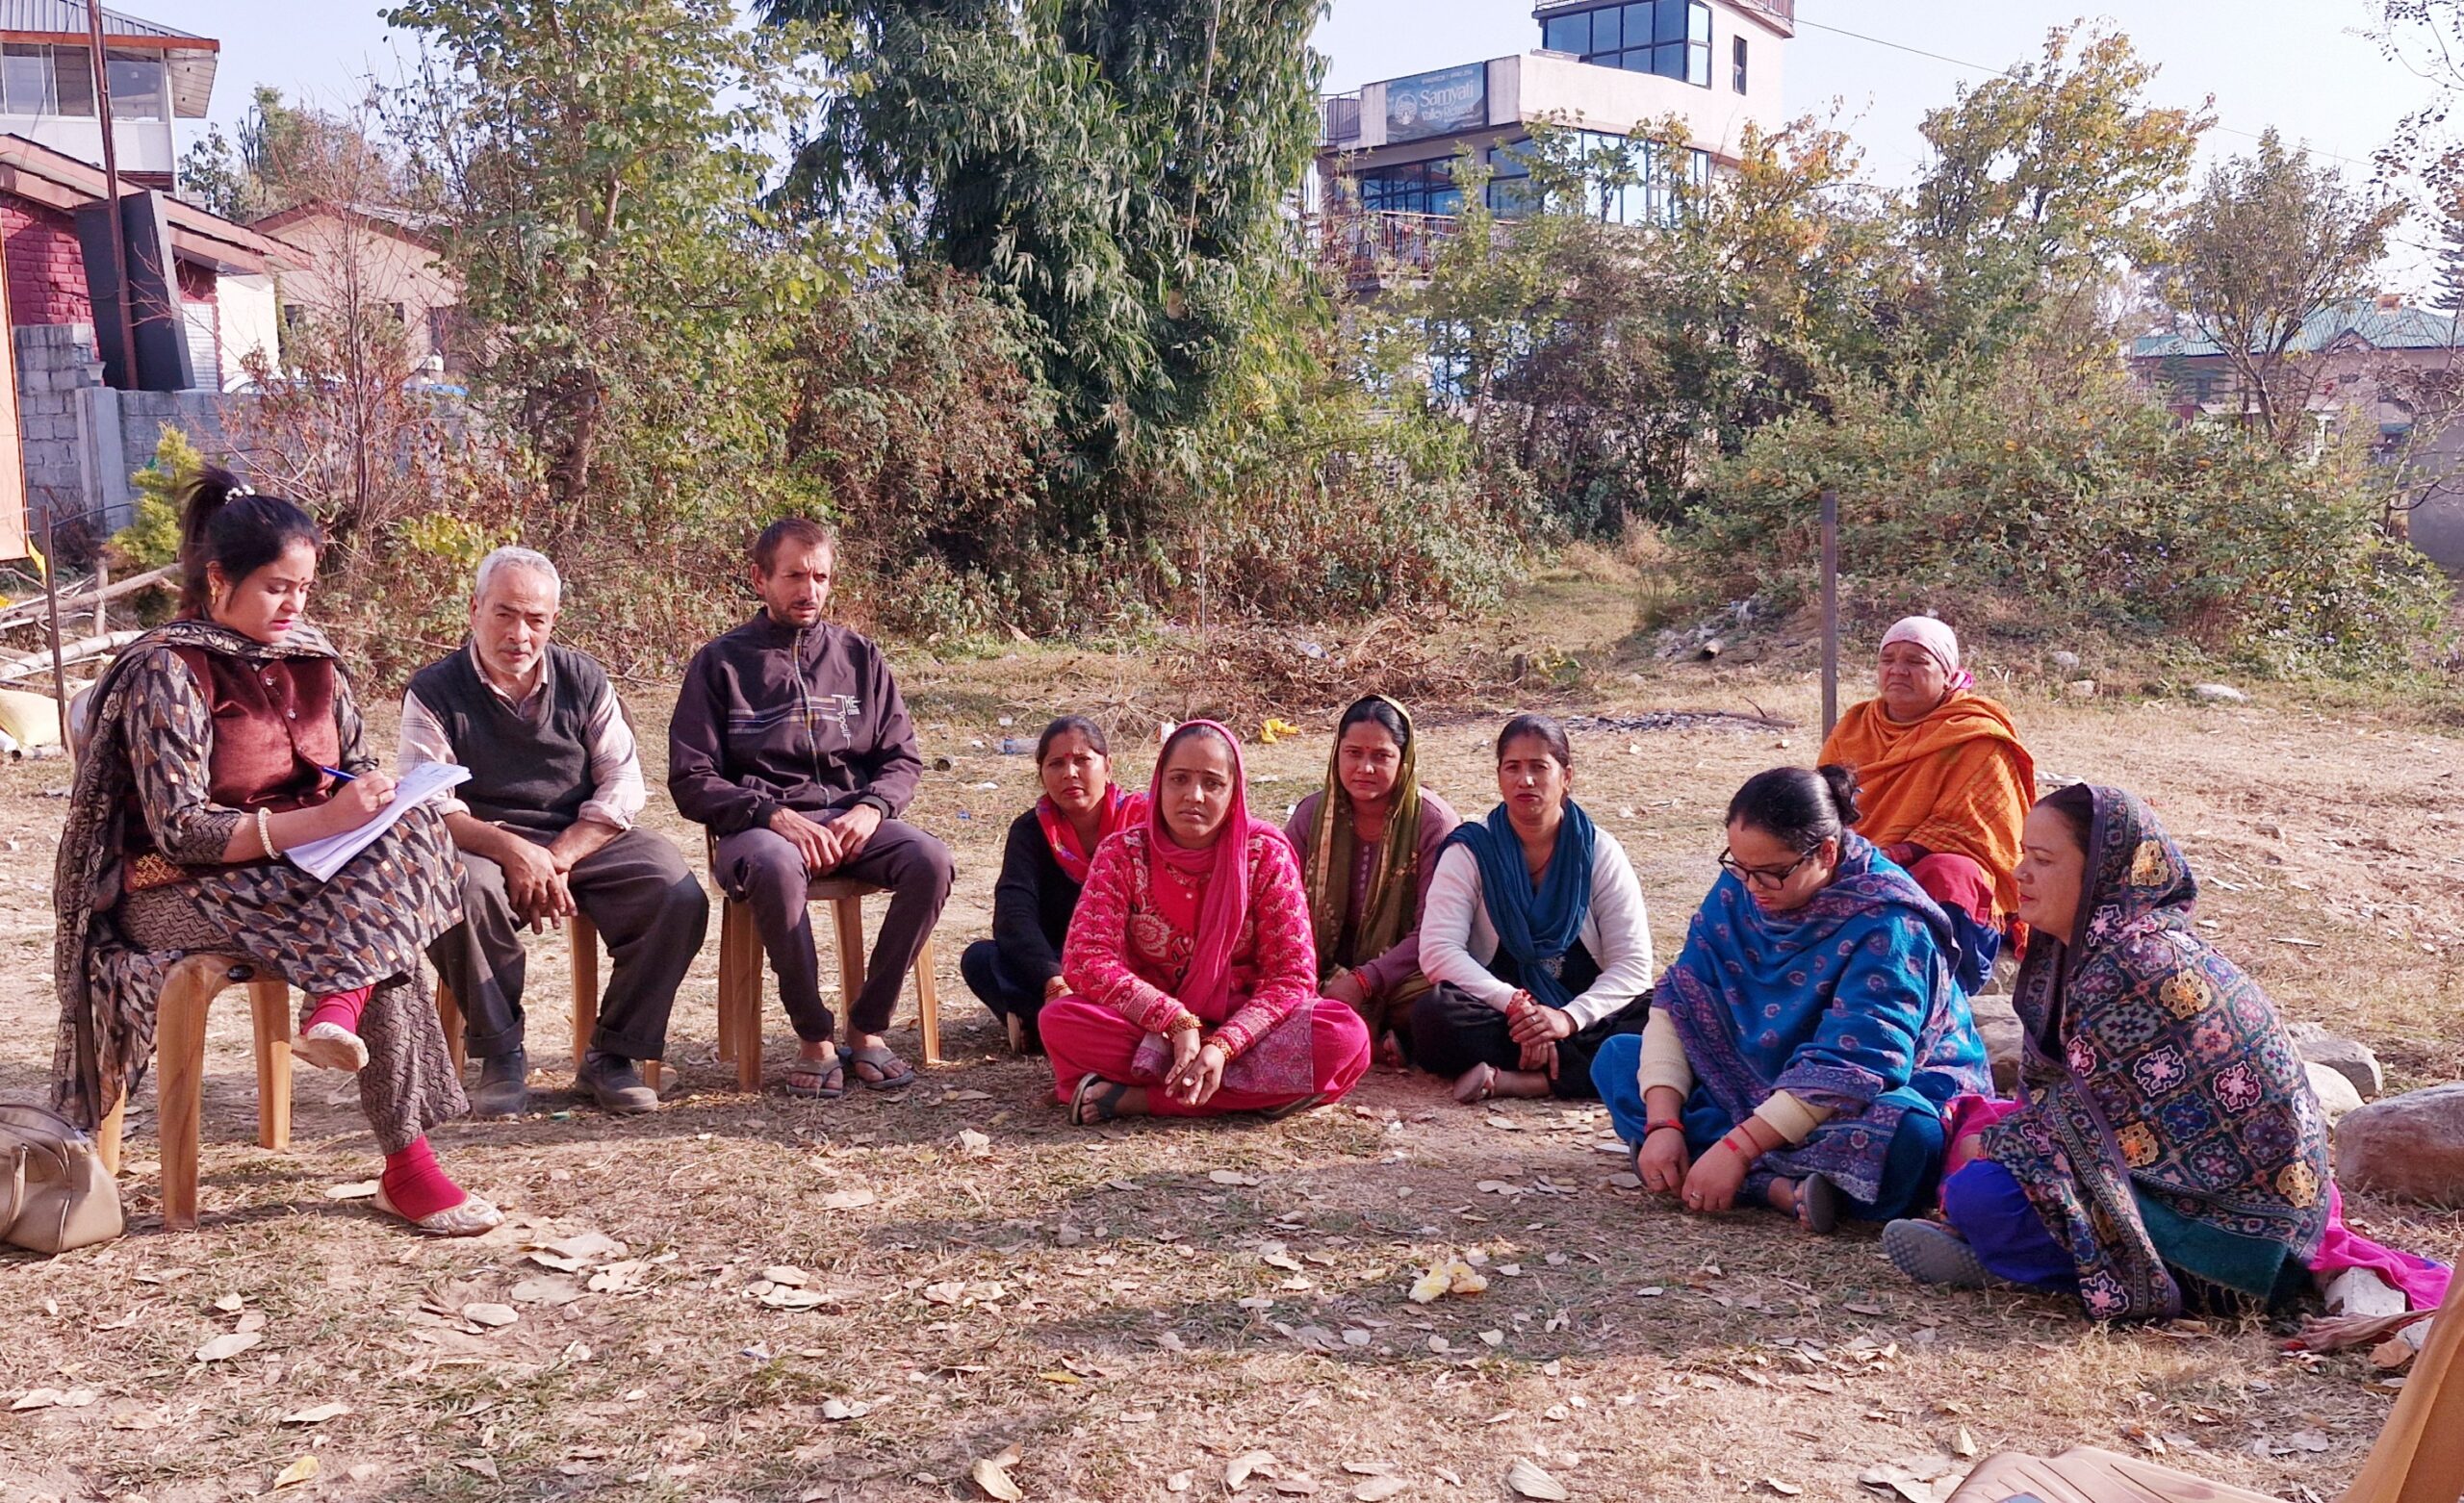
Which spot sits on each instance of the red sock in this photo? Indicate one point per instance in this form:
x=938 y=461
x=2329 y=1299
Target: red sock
x=342 y=1007
x=417 y=1184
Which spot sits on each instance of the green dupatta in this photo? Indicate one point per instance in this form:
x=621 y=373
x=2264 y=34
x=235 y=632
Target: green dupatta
x=1393 y=900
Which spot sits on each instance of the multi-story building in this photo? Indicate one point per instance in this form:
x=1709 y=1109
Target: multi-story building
x=1388 y=152
x=157 y=74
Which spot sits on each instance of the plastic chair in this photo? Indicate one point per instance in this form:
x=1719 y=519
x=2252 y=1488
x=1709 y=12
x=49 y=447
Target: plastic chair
x=179 y=1055
x=2418 y=1457
x=586 y=943
x=740 y=973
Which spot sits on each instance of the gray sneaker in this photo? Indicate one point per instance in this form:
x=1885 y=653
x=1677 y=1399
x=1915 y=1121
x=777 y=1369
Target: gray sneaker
x=1934 y=1254
x=505 y=1086
x=615 y=1085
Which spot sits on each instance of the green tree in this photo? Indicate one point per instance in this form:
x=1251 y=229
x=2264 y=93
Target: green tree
x=287 y=154
x=2044 y=179
x=598 y=167
x=1118 y=166
x=2272 y=239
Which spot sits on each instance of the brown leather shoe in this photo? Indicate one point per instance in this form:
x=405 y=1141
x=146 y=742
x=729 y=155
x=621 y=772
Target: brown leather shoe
x=615 y=1086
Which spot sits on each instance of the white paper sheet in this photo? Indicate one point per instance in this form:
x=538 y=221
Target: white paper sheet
x=323 y=858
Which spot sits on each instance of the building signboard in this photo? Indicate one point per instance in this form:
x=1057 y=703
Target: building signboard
x=1438 y=104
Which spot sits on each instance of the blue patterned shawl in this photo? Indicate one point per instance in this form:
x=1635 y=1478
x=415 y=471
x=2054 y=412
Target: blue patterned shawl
x=1536 y=927
x=1846 y=1002
x=2169 y=1117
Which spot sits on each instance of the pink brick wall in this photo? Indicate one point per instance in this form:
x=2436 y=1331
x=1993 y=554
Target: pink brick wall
x=46 y=273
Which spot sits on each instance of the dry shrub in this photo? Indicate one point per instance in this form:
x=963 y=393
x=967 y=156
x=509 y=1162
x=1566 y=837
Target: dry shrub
x=1247 y=673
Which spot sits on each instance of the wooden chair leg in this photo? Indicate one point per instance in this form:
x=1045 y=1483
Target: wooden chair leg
x=847 y=917
x=270 y=1017
x=448 y=1017
x=179 y=1053
x=740 y=994
x=585 y=948
x=107 y=1135
x=928 y=1002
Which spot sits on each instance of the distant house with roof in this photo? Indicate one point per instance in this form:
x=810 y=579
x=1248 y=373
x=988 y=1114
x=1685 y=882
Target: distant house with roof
x=2394 y=370
x=361 y=259
x=157 y=74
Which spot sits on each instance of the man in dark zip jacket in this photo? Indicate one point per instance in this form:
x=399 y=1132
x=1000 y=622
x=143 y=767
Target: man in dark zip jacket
x=791 y=743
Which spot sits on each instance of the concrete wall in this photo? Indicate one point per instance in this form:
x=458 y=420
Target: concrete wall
x=82 y=440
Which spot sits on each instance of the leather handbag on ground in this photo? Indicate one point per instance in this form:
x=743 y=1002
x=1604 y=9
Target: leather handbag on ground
x=54 y=1193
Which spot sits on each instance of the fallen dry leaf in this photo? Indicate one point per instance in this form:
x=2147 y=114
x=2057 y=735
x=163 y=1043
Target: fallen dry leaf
x=1180 y=1482
x=545 y=1291
x=1529 y=1481
x=302 y=1470
x=356 y=1189
x=1786 y=1490
x=482 y=1313
x=1252 y=1464
x=1963 y=1443
x=974 y=1144
x=1232 y=1177
x=2391 y=1354
x=787 y=1274
x=848 y=1200
x=988 y=1473
x=228 y=1346
x=317 y=1416
x=1376 y=1490
x=229 y=1303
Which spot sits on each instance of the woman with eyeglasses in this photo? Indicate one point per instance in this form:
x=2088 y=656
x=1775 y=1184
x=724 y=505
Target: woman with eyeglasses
x=1802 y=1047
x=1534 y=938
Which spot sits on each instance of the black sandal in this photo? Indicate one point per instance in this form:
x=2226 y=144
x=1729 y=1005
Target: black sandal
x=1095 y=1099
x=829 y=1078
x=1818 y=1203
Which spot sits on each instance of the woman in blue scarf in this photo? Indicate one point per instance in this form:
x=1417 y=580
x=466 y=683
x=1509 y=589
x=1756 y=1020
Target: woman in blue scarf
x=1533 y=937
x=1804 y=1045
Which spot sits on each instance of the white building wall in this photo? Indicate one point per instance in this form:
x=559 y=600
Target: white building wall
x=143 y=145
x=251 y=324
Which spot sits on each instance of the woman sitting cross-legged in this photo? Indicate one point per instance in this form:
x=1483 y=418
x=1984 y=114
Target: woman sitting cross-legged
x=2170 y=1150
x=1043 y=868
x=216 y=747
x=1802 y=1048
x=1534 y=936
x=1368 y=843
x=1192 y=978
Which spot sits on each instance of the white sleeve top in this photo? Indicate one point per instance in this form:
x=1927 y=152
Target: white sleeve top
x=1457 y=940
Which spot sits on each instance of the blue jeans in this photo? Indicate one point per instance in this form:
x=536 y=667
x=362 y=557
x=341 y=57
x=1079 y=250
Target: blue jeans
x=1911 y=1166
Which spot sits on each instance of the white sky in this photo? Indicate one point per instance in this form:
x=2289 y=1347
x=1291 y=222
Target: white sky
x=2299 y=65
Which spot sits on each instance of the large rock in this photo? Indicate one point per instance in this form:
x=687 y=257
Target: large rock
x=1998 y=1023
x=2349 y=1058
x=2336 y=1096
x=2409 y=1146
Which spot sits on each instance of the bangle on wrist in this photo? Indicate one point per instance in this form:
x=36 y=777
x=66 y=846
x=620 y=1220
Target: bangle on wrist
x=1187 y=1022
x=265 y=833
x=1673 y=1126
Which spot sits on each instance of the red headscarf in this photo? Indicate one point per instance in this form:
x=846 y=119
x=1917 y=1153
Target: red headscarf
x=1117 y=810
x=1224 y=909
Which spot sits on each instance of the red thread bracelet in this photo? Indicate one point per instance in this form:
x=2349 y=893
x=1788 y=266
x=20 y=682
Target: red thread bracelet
x=1649 y=1127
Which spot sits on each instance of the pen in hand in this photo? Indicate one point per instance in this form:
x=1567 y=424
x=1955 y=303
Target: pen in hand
x=338 y=775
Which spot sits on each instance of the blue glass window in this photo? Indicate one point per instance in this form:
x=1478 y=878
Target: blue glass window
x=1669 y=38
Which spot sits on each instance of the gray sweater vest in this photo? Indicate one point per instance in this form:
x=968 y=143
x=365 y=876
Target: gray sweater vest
x=532 y=778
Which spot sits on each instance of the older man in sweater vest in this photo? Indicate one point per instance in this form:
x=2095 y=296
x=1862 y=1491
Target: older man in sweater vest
x=791 y=743
x=546 y=830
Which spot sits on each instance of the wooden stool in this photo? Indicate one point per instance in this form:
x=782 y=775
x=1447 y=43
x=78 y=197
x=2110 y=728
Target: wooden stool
x=179 y=1060
x=2418 y=1457
x=740 y=975
x=586 y=941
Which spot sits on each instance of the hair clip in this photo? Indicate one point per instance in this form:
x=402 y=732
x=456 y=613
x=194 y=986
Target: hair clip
x=243 y=488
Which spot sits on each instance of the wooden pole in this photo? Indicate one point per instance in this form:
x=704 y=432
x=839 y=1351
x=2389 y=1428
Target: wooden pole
x=111 y=191
x=1830 y=611
x=59 y=670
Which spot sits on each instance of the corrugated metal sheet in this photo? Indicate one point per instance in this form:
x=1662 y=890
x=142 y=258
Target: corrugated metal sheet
x=70 y=16
x=2383 y=328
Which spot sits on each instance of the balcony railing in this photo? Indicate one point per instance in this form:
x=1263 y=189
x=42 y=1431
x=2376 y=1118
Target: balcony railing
x=1339 y=120
x=1785 y=12
x=1370 y=248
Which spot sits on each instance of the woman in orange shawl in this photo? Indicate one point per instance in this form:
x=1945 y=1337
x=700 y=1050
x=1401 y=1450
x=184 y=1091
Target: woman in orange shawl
x=1945 y=782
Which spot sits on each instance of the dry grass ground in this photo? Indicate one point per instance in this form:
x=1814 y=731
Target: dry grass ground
x=1133 y=1310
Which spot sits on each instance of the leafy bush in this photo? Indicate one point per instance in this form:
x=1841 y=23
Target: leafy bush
x=2071 y=503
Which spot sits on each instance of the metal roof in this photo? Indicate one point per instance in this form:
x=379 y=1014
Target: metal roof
x=187 y=57
x=2362 y=319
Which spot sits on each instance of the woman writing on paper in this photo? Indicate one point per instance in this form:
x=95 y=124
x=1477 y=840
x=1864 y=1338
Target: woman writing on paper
x=213 y=751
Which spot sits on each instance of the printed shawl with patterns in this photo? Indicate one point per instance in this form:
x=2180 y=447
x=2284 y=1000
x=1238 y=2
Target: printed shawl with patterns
x=367 y=925
x=1393 y=885
x=1957 y=781
x=1845 y=1003
x=2162 y=1092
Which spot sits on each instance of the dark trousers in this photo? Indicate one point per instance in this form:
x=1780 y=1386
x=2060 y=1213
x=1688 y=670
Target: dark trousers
x=1004 y=993
x=1453 y=1031
x=649 y=912
x=759 y=869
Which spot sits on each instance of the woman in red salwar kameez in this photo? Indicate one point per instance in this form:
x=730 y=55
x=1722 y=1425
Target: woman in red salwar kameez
x=1192 y=974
